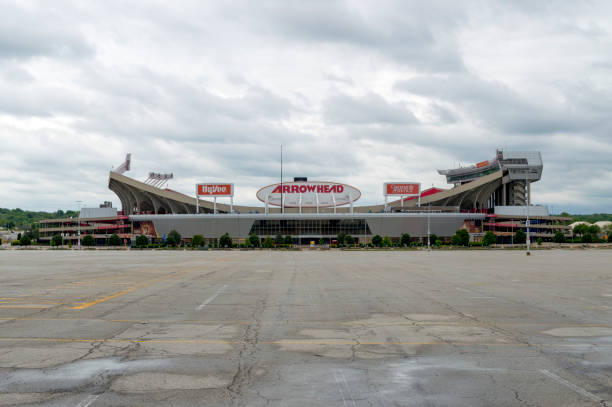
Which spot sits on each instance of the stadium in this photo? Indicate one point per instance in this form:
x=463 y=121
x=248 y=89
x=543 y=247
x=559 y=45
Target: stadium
x=491 y=195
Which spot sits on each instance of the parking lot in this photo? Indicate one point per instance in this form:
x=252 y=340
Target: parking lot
x=330 y=328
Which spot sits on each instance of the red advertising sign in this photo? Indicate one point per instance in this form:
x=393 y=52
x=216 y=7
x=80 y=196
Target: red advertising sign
x=482 y=164
x=403 y=188
x=215 y=189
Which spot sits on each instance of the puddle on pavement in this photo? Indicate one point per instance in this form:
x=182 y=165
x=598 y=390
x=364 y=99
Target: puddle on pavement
x=73 y=375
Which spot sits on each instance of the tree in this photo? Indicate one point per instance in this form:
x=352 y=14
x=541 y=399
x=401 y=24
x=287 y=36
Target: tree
x=341 y=237
x=580 y=229
x=594 y=230
x=197 y=241
x=349 y=240
x=455 y=240
x=539 y=241
x=18 y=236
x=432 y=238
x=57 y=240
x=88 y=240
x=386 y=241
x=279 y=239
x=225 y=241
x=520 y=237
x=559 y=237
x=288 y=240
x=405 y=240
x=321 y=242
x=25 y=240
x=461 y=238
x=377 y=240
x=268 y=243
x=114 y=240
x=173 y=239
x=254 y=240
x=489 y=238
x=610 y=238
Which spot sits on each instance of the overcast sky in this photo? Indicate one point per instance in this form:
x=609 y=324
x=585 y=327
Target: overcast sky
x=357 y=92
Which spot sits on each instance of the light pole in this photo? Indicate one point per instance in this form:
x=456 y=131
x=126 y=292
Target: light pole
x=428 y=234
x=527 y=220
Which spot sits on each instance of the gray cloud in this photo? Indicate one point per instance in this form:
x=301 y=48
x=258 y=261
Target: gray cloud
x=27 y=32
x=371 y=109
x=355 y=92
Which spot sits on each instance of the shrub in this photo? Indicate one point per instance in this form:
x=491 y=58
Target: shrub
x=405 y=240
x=341 y=237
x=173 y=239
x=254 y=240
x=88 y=240
x=114 y=240
x=349 y=240
x=438 y=242
x=594 y=230
x=475 y=244
x=539 y=241
x=225 y=241
x=610 y=238
x=432 y=238
x=489 y=238
x=15 y=243
x=321 y=242
x=268 y=243
x=587 y=238
x=377 y=241
x=559 y=237
x=461 y=238
x=279 y=240
x=288 y=240
x=197 y=241
x=57 y=240
x=520 y=237
x=386 y=241
x=25 y=240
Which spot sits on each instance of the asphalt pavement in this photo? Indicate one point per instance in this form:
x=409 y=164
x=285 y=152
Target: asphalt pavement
x=303 y=328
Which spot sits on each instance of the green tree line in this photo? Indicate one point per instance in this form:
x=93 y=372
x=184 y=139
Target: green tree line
x=20 y=219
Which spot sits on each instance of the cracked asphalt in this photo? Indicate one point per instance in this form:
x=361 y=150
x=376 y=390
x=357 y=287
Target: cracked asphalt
x=330 y=328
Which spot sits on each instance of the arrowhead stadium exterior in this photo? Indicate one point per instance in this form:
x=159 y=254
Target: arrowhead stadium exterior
x=491 y=195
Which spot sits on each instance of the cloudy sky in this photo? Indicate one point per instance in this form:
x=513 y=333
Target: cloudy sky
x=358 y=92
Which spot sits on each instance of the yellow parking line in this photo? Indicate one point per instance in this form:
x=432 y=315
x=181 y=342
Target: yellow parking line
x=109 y=297
x=130 y=290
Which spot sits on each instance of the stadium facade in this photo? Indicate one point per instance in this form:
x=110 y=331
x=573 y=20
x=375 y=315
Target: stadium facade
x=490 y=195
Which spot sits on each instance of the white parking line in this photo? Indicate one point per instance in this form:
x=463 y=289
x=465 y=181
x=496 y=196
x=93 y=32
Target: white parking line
x=88 y=400
x=572 y=386
x=211 y=298
x=340 y=385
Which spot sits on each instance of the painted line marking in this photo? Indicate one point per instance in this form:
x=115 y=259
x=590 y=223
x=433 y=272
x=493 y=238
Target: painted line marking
x=130 y=290
x=340 y=383
x=211 y=298
x=572 y=386
x=88 y=401
x=109 y=297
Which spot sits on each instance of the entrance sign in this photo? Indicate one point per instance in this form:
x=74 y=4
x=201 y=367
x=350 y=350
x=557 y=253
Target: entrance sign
x=308 y=194
x=402 y=189
x=215 y=190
